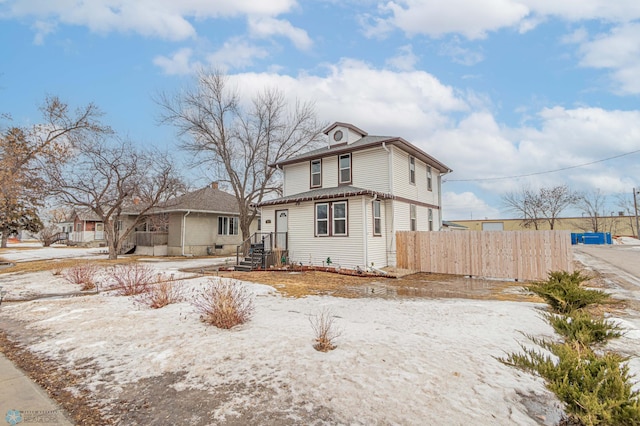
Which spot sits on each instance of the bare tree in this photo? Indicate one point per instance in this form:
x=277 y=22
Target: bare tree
x=524 y=203
x=592 y=206
x=25 y=153
x=537 y=207
x=625 y=204
x=112 y=179
x=239 y=144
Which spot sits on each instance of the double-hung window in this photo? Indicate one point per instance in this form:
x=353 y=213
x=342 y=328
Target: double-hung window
x=344 y=165
x=322 y=219
x=227 y=225
x=339 y=211
x=430 y=220
x=316 y=173
x=331 y=219
x=412 y=217
x=412 y=170
x=377 y=218
x=429 y=179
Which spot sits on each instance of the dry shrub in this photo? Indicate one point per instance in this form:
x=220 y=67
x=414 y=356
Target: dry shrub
x=83 y=274
x=224 y=303
x=325 y=330
x=131 y=279
x=161 y=293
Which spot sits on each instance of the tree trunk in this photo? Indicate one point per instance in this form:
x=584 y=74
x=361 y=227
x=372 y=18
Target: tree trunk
x=111 y=241
x=5 y=238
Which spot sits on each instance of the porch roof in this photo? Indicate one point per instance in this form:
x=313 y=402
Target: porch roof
x=324 y=194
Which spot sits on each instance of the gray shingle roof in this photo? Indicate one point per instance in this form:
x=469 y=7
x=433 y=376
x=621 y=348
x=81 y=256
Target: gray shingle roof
x=206 y=200
x=322 y=194
x=364 y=143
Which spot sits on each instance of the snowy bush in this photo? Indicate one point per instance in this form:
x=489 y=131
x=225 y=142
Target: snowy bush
x=224 y=304
x=130 y=279
x=83 y=274
x=324 y=330
x=161 y=293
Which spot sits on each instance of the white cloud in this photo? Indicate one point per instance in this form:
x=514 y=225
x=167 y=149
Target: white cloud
x=405 y=60
x=474 y=19
x=466 y=205
x=179 y=63
x=236 y=53
x=459 y=54
x=168 y=19
x=264 y=27
x=619 y=51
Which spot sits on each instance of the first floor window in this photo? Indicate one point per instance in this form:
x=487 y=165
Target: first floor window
x=377 y=218
x=227 y=225
x=340 y=218
x=412 y=216
x=331 y=219
x=322 y=219
x=430 y=220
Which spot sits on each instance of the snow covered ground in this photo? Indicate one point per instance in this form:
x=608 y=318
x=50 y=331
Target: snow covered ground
x=398 y=361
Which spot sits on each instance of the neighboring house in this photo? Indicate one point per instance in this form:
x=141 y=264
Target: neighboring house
x=345 y=202
x=452 y=226
x=202 y=222
x=85 y=227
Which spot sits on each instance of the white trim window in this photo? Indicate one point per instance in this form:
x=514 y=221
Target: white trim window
x=413 y=223
x=430 y=220
x=339 y=212
x=344 y=166
x=316 y=173
x=227 y=225
x=322 y=219
x=429 y=179
x=377 y=218
x=412 y=170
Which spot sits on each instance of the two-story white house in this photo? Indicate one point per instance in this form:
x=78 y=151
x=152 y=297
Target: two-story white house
x=345 y=201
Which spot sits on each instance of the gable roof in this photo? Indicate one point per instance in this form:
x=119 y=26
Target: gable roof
x=205 y=200
x=347 y=125
x=365 y=142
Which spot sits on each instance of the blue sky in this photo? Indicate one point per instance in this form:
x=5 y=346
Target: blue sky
x=492 y=89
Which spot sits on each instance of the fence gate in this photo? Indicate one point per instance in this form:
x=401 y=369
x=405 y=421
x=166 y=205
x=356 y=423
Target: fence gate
x=521 y=255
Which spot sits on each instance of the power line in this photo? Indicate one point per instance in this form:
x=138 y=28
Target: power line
x=542 y=173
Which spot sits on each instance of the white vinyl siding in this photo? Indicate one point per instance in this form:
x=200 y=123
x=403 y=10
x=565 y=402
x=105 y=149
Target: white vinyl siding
x=401 y=180
x=370 y=169
x=296 y=178
x=305 y=248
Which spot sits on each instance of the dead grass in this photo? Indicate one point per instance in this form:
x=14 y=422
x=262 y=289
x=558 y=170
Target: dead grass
x=59 y=264
x=324 y=330
x=309 y=283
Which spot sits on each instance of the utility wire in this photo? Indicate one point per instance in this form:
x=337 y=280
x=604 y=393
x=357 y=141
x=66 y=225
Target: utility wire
x=542 y=173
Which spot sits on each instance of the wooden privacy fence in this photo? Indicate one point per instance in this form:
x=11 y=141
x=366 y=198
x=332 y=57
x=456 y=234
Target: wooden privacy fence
x=521 y=255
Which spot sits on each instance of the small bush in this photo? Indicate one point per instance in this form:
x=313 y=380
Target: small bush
x=596 y=390
x=161 y=293
x=564 y=293
x=324 y=330
x=83 y=274
x=224 y=304
x=130 y=279
x=580 y=327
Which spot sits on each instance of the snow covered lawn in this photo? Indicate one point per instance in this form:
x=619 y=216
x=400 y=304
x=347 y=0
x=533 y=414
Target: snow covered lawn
x=398 y=361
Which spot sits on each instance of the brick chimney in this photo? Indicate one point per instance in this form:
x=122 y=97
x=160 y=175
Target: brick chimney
x=214 y=185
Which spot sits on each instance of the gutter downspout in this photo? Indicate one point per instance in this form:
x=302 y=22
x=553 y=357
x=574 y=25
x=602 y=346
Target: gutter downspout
x=365 y=237
x=392 y=241
x=184 y=229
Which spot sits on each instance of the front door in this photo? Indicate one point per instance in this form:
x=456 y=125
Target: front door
x=99 y=231
x=282 y=227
